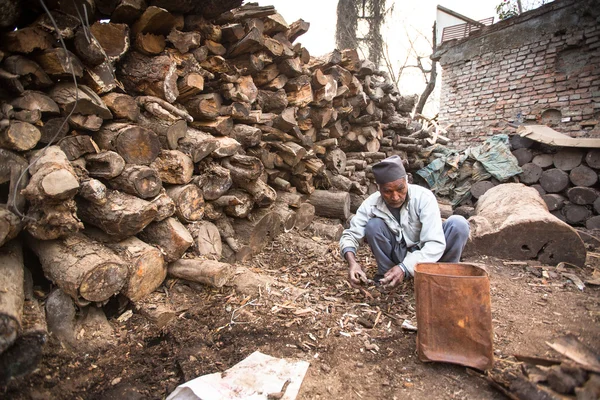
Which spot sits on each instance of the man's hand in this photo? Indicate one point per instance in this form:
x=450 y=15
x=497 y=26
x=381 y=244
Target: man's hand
x=356 y=275
x=393 y=277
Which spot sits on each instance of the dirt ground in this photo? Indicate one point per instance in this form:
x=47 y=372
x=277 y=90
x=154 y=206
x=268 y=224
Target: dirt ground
x=352 y=339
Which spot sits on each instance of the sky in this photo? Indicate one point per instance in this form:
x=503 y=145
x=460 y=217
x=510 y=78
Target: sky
x=412 y=19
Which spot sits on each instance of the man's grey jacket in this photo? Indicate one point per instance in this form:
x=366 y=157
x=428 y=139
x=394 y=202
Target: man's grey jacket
x=420 y=225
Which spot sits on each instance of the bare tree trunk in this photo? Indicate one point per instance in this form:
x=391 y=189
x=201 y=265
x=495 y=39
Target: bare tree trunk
x=432 y=77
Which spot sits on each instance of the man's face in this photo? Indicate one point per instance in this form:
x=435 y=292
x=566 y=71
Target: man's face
x=394 y=193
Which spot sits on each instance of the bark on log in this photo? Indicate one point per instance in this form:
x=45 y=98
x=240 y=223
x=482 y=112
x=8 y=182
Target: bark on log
x=189 y=202
x=207 y=241
x=170 y=235
x=27 y=40
x=512 y=222
x=77 y=146
x=331 y=204
x=81 y=267
x=135 y=144
x=53 y=130
x=246 y=135
x=208 y=272
x=122 y=215
x=583 y=176
x=10 y=225
x=336 y=161
x=12 y=171
x=93 y=190
x=153 y=76
x=80 y=99
x=53 y=178
x=138 y=180
x=197 y=144
x=227 y=233
x=164 y=204
x=11 y=293
x=174 y=167
x=554 y=180
x=169 y=132
x=106 y=164
x=48 y=221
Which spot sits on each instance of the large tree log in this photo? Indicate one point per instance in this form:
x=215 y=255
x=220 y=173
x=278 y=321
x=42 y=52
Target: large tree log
x=170 y=235
x=554 y=180
x=513 y=222
x=122 y=215
x=331 y=204
x=81 y=267
x=207 y=272
x=11 y=293
x=189 y=202
x=138 y=180
x=174 y=167
x=207 y=241
x=568 y=158
x=135 y=144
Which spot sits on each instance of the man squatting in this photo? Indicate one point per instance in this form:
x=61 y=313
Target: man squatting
x=402 y=225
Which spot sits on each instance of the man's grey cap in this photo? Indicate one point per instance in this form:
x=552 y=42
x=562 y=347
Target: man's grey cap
x=389 y=170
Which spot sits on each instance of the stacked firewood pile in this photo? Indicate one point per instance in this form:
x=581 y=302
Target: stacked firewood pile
x=170 y=138
x=566 y=178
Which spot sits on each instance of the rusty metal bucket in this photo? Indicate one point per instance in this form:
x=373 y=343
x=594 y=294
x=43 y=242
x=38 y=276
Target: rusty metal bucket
x=454 y=315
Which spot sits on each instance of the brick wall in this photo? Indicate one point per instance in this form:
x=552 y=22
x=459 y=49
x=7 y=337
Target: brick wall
x=540 y=67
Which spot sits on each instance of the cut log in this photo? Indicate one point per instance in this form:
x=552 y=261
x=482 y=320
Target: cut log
x=568 y=158
x=331 y=204
x=31 y=74
x=244 y=206
x=583 y=176
x=554 y=180
x=170 y=235
x=122 y=106
x=576 y=214
x=220 y=126
x=512 y=222
x=81 y=267
x=207 y=241
x=184 y=41
x=59 y=64
x=263 y=194
x=246 y=135
x=226 y=147
x=582 y=195
x=190 y=85
x=523 y=156
x=164 y=204
x=12 y=295
x=153 y=76
x=19 y=136
x=554 y=201
x=531 y=173
x=208 y=272
x=215 y=181
x=78 y=146
x=336 y=161
x=228 y=235
x=10 y=225
x=329 y=232
x=258 y=231
x=88 y=48
x=593 y=223
x=243 y=168
x=174 y=167
x=305 y=215
x=53 y=130
x=135 y=144
x=122 y=215
x=157 y=308
x=139 y=180
x=543 y=160
x=106 y=164
x=26 y=40
x=53 y=178
x=94 y=191
x=149 y=44
x=592 y=158
x=189 y=202
x=46 y=221
x=197 y=144
x=303 y=182
x=156 y=20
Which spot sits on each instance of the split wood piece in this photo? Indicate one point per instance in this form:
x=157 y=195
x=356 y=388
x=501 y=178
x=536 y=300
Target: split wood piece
x=10 y=225
x=257 y=232
x=243 y=168
x=272 y=101
x=336 y=161
x=197 y=144
x=184 y=41
x=576 y=214
x=208 y=272
x=531 y=173
x=215 y=181
x=244 y=206
x=305 y=215
x=204 y=106
x=156 y=20
x=554 y=180
x=78 y=146
x=297 y=29
x=30 y=73
x=59 y=64
x=105 y=164
x=189 y=202
x=12 y=298
x=582 y=195
x=189 y=85
x=81 y=267
x=567 y=158
x=46 y=221
x=226 y=147
x=299 y=91
x=592 y=158
x=266 y=75
x=478 y=189
x=93 y=190
x=90 y=123
x=101 y=78
x=554 y=201
x=152 y=76
x=32 y=117
x=88 y=48
x=53 y=178
x=303 y=182
x=340 y=182
x=232 y=33
x=135 y=144
x=329 y=232
x=174 y=167
x=286 y=121
x=122 y=106
x=157 y=308
x=149 y=44
x=27 y=40
x=207 y=241
x=19 y=136
x=139 y=180
x=113 y=39
x=33 y=100
x=331 y=204
x=215 y=47
x=122 y=215
x=164 y=204
x=291 y=153
x=247 y=136
x=583 y=176
x=80 y=99
x=263 y=194
x=253 y=41
x=513 y=222
x=170 y=235
x=66 y=24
